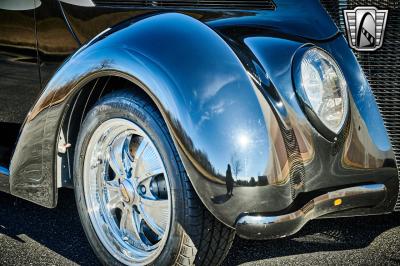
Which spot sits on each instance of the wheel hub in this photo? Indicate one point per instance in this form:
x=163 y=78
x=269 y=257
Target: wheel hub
x=127 y=191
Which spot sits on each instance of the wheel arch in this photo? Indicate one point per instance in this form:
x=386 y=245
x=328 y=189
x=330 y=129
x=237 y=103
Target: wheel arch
x=96 y=87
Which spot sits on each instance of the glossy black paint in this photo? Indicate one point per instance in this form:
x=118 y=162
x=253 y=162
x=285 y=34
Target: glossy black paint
x=290 y=17
x=54 y=39
x=223 y=82
x=19 y=76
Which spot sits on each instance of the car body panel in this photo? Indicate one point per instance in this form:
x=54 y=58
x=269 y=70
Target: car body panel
x=19 y=80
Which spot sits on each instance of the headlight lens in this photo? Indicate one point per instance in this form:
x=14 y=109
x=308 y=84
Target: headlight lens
x=325 y=88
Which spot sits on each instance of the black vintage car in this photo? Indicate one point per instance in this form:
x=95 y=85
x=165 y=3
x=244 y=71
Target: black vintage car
x=180 y=124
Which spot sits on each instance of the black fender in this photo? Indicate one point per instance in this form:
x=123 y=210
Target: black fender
x=209 y=102
x=227 y=96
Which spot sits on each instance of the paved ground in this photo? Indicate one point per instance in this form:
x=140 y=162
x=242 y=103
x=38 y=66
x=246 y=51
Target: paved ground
x=31 y=235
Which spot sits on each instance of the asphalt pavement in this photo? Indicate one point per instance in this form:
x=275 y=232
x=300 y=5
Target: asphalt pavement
x=32 y=235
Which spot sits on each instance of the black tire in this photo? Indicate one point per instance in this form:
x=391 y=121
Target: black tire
x=196 y=236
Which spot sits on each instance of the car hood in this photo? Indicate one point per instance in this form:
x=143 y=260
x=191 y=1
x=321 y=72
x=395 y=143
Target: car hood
x=306 y=19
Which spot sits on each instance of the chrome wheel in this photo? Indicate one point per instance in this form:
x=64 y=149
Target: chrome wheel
x=127 y=192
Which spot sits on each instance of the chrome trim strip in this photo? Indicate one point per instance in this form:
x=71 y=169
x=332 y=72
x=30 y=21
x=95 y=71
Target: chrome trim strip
x=265 y=227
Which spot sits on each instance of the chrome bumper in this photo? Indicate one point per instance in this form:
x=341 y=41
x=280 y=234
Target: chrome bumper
x=266 y=227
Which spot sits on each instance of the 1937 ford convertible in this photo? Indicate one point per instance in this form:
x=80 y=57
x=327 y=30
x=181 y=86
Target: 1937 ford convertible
x=180 y=124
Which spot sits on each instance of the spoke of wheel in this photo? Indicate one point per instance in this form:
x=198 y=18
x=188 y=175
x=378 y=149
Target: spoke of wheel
x=142 y=147
x=119 y=159
x=126 y=223
x=138 y=153
x=129 y=229
x=156 y=214
x=112 y=184
x=114 y=198
x=148 y=165
x=115 y=157
x=137 y=218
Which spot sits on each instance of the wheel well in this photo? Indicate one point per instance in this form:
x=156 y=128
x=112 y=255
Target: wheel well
x=79 y=106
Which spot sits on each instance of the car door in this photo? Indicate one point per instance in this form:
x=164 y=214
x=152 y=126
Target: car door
x=19 y=73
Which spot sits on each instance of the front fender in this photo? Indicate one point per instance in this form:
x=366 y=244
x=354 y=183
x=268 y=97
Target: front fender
x=213 y=110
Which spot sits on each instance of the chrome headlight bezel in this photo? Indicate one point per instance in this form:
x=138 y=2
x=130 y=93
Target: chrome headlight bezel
x=312 y=115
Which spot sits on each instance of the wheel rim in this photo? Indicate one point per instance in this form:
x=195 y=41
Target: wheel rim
x=127 y=192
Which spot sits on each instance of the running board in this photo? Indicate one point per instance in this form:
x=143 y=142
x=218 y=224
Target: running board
x=4 y=179
x=267 y=227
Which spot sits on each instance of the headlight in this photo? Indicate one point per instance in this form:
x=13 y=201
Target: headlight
x=322 y=89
